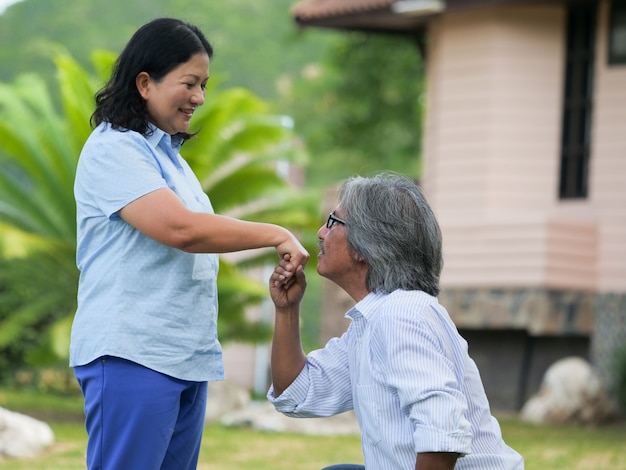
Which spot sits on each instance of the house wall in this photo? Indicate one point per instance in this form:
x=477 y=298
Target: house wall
x=608 y=196
x=608 y=164
x=491 y=154
x=491 y=151
x=518 y=259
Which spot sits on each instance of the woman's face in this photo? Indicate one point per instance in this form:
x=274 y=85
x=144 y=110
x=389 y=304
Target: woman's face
x=172 y=100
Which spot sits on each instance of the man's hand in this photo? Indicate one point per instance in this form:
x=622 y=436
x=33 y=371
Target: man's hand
x=287 y=284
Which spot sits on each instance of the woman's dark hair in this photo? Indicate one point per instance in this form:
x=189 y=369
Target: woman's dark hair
x=156 y=48
x=390 y=224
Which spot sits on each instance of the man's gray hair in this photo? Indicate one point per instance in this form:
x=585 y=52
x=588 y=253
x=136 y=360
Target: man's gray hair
x=392 y=227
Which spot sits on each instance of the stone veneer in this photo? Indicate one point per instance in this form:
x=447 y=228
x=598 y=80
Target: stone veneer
x=609 y=334
x=546 y=312
x=538 y=311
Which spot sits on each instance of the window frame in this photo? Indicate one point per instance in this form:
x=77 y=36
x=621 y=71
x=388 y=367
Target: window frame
x=575 y=156
x=617 y=22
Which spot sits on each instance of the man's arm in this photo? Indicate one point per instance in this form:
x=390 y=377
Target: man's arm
x=287 y=358
x=436 y=461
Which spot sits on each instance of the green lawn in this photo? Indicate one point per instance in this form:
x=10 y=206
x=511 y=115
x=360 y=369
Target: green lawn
x=544 y=447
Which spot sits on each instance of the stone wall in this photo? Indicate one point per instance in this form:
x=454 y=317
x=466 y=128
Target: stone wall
x=609 y=334
x=540 y=312
x=516 y=334
x=512 y=363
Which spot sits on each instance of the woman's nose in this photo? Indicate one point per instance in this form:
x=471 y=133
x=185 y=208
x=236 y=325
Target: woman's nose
x=198 y=97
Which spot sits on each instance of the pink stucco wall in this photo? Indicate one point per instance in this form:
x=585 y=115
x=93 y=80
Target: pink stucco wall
x=608 y=165
x=491 y=154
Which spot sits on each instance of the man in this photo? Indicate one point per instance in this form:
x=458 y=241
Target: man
x=401 y=365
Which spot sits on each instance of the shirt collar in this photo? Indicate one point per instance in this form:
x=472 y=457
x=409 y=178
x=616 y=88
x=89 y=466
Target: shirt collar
x=155 y=135
x=368 y=306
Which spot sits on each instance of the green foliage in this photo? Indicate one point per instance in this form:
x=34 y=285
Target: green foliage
x=360 y=110
x=38 y=152
x=235 y=156
x=355 y=97
x=249 y=54
x=37 y=292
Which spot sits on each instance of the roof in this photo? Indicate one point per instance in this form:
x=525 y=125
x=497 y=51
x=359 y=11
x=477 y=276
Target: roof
x=374 y=15
x=312 y=9
x=400 y=16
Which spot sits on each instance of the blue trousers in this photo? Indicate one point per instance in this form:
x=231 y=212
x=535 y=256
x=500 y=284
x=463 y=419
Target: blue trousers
x=139 y=419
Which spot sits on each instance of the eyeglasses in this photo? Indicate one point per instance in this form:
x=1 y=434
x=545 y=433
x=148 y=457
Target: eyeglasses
x=332 y=218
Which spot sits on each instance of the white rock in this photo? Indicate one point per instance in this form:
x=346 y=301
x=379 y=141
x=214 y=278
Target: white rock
x=22 y=436
x=264 y=417
x=224 y=397
x=571 y=392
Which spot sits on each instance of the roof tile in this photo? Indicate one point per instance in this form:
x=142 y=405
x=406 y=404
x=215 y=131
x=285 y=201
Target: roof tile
x=314 y=9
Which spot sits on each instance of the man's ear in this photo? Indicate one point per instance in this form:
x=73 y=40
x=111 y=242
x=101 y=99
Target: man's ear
x=143 y=83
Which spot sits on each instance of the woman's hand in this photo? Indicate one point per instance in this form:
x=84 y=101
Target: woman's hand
x=291 y=247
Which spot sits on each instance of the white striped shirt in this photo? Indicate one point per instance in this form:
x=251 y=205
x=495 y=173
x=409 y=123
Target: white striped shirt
x=405 y=370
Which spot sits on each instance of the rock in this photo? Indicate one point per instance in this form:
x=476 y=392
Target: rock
x=570 y=393
x=263 y=417
x=231 y=404
x=224 y=397
x=22 y=436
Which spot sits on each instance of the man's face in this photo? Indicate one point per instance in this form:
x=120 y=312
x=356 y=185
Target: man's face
x=335 y=261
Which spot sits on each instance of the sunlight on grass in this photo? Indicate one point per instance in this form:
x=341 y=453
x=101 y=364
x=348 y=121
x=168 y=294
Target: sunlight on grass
x=543 y=447
x=245 y=449
x=567 y=447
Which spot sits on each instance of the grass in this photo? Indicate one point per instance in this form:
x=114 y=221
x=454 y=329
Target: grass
x=543 y=447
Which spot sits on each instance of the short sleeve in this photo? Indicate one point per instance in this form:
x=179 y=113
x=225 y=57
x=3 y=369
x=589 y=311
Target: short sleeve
x=114 y=169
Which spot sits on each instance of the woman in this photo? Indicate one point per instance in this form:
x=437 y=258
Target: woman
x=144 y=340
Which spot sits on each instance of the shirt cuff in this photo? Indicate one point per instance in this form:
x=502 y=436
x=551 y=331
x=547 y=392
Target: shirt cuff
x=293 y=396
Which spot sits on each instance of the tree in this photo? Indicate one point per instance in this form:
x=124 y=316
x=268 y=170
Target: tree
x=234 y=155
x=360 y=110
x=252 y=53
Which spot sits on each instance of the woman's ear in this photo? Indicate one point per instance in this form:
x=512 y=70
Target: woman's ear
x=143 y=84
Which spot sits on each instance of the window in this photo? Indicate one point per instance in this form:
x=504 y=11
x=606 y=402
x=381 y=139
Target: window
x=578 y=100
x=617 y=33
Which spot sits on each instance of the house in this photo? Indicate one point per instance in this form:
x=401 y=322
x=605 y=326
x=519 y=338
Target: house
x=524 y=158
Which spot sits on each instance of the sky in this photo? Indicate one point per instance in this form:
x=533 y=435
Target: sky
x=5 y=3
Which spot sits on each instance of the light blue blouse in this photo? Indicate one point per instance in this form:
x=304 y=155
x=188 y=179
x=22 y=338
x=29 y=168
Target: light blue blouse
x=139 y=299
x=406 y=372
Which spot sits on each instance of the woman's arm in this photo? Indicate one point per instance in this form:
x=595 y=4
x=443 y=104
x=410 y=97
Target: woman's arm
x=162 y=216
